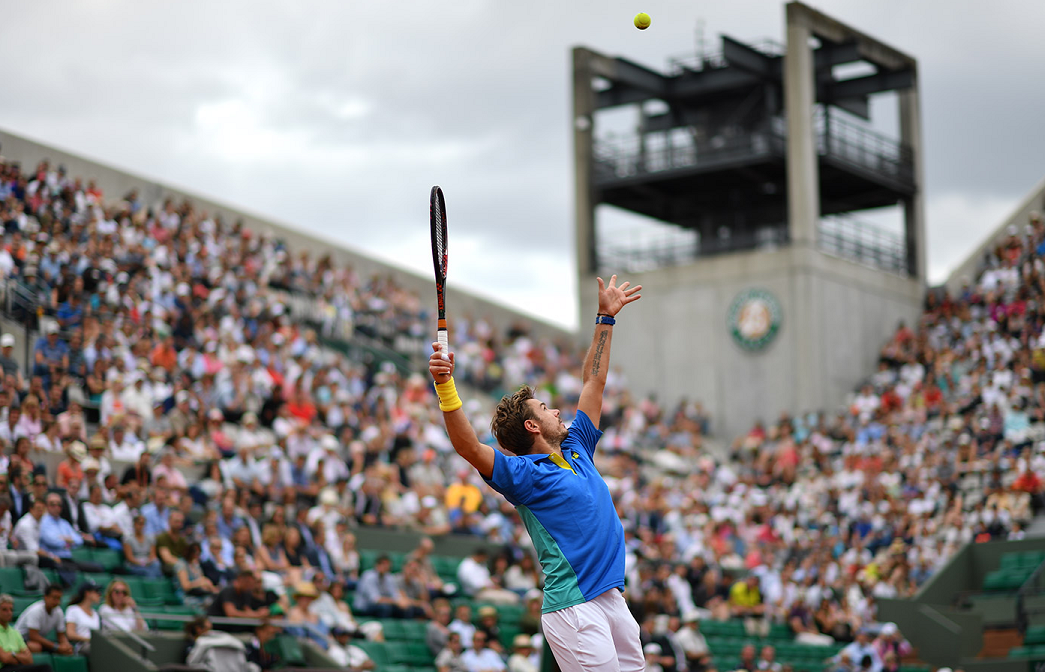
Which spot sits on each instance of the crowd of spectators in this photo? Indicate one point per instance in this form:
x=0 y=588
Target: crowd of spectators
x=210 y=435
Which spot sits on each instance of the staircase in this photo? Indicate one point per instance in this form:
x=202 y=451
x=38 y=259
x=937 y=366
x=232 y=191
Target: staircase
x=998 y=642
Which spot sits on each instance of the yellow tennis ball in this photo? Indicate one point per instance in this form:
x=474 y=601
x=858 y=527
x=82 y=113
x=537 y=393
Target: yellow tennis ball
x=642 y=20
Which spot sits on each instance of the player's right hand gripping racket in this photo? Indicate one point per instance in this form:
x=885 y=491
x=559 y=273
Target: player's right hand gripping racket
x=437 y=212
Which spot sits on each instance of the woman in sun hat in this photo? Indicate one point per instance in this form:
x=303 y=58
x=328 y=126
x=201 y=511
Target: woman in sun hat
x=70 y=468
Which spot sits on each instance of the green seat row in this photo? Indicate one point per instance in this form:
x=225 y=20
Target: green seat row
x=1027 y=652
x=1006 y=579
x=61 y=663
x=1025 y=560
x=1034 y=635
x=106 y=557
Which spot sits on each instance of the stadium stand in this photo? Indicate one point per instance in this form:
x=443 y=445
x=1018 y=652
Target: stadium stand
x=168 y=382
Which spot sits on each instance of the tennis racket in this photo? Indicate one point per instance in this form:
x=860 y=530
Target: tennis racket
x=437 y=212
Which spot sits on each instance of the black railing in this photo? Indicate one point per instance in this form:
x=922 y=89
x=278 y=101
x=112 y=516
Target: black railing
x=864 y=243
x=710 y=60
x=619 y=158
x=646 y=252
x=859 y=146
x=625 y=157
x=840 y=236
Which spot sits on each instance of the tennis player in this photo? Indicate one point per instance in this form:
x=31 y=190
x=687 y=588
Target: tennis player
x=547 y=472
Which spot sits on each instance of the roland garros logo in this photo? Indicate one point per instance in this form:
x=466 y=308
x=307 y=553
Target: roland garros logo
x=754 y=319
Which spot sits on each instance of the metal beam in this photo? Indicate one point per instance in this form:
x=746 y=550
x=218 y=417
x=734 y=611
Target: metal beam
x=858 y=106
x=711 y=82
x=640 y=77
x=829 y=55
x=863 y=86
x=616 y=96
x=740 y=55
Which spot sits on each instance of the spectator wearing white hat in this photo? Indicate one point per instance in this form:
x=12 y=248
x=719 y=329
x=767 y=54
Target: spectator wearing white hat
x=890 y=640
x=524 y=656
x=70 y=467
x=8 y=364
x=250 y=434
x=333 y=465
x=652 y=654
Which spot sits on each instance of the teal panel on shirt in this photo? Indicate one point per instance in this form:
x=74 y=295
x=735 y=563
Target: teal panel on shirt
x=561 y=589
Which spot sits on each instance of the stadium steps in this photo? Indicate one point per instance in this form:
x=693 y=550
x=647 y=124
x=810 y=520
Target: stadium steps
x=998 y=642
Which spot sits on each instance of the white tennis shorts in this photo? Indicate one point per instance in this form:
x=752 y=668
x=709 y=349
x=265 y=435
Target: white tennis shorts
x=600 y=634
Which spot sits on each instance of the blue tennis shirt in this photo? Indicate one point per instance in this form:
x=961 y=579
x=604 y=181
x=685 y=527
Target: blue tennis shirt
x=568 y=511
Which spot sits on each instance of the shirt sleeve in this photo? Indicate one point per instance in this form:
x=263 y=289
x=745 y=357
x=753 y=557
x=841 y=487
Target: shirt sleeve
x=512 y=477
x=368 y=589
x=583 y=435
x=35 y=620
x=50 y=536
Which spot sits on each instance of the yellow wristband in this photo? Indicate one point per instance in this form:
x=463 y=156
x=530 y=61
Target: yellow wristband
x=448 y=399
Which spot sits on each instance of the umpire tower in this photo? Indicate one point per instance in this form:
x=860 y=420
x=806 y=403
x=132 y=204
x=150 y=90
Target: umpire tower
x=776 y=299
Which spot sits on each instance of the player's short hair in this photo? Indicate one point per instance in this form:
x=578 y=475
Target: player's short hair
x=509 y=420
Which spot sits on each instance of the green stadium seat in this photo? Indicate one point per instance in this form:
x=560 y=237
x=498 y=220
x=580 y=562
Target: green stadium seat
x=367 y=559
x=780 y=632
x=288 y=650
x=1011 y=560
x=412 y=654
x=42 y=659
x=1004 y=580
x=107 y=558
x=398 y=560
x=12 y=581
x=156 y=592
x=83 y=554
x=69 y=664
x=378 y=651
x=174 y=610
x=510 y=614
x=1034 y=635
x=414 y=630
x=727 y=662
x=445 y=565
x=394 y=630
x=508 y=634
x=915 y=668
x=136 y=585
x=52 y=576
x=21 y=603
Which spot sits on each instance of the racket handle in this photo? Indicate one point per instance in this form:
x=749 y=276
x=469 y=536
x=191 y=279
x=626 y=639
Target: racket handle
x=444 y=344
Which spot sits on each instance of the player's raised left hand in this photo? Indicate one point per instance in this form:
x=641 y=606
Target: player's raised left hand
x=613 y=298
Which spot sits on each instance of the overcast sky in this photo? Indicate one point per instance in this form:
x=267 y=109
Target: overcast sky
x=338 y=116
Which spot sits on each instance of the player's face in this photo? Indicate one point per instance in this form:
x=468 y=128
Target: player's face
x=552 y=428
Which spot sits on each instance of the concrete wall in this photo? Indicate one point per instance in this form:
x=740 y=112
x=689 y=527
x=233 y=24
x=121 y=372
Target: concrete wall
x=115 y=183
x=836 y=316
x=966 y=271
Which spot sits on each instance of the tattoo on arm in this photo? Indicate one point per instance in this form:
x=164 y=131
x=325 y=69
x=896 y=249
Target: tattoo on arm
x=599 y=347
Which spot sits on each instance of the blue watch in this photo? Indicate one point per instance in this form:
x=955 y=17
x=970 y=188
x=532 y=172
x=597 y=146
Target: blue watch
x=605 y=319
